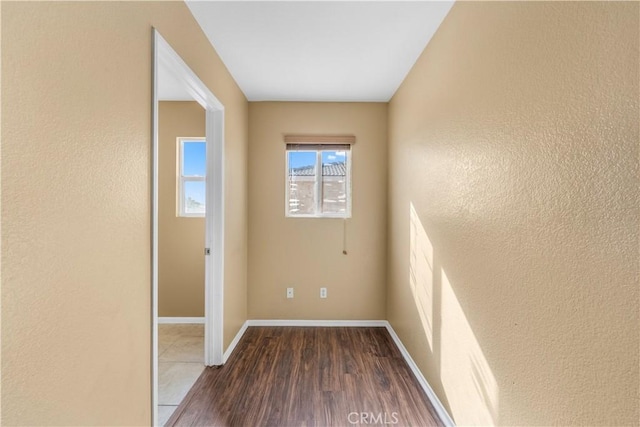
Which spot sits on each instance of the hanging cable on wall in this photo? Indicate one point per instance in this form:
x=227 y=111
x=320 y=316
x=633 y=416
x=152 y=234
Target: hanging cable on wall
x=344 y=236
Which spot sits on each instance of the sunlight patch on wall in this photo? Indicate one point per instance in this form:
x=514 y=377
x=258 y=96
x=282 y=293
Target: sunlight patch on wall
x=470 y=386
x=421 y=272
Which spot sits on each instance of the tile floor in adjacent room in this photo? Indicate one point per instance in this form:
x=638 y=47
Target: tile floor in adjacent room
x=180 y=363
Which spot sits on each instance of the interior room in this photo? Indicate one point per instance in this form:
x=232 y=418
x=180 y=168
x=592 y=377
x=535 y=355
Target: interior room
x=181 y=237
x=350 y=213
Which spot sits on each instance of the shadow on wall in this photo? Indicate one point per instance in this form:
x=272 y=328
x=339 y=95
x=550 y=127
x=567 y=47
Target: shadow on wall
x=465 y=375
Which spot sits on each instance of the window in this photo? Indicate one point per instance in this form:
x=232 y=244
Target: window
x=192 y=165
x=318 y=180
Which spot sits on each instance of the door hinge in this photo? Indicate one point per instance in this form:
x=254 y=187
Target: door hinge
x=207 y=251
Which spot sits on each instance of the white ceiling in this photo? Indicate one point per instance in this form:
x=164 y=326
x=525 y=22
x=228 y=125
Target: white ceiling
x=319 y=50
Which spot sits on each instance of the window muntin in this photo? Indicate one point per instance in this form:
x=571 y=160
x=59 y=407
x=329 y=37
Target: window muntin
x=192 y=163
x=318 y=181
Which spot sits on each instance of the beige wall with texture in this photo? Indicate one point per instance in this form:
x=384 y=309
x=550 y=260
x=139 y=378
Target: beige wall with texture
x=180 y=239
x=306 y=253
x=76 y=186
x=513 y=213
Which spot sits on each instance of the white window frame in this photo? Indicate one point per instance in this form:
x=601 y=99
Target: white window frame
x=183 y=179
x=318 y=184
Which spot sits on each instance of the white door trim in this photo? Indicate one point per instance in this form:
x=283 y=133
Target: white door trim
x=164 y=56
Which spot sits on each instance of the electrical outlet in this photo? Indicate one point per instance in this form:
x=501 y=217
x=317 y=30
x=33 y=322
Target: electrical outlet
x=289 y=292
x=323 y=292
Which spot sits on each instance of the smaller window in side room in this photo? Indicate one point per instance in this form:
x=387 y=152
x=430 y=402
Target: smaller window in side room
x=192 y=155
x=318 y=180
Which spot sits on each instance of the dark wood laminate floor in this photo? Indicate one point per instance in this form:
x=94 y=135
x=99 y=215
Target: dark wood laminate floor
x=300 y=376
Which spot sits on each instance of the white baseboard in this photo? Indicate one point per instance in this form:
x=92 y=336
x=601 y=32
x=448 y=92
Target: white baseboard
x=319 y=323
x=169 y=320
x=235 y=342
x=437 y=405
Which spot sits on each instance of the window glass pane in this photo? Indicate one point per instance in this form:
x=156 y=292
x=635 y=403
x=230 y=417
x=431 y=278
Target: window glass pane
x=301 y=181
x=194 y=158
x=194 y=197
x=334 y=182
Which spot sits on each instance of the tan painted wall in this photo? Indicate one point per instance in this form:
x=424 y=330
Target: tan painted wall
x=181 y=239
x=515 y=140
x=305 y=253
x=76 y=260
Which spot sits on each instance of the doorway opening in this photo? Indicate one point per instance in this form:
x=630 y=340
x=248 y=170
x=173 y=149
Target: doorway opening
x=170 y=70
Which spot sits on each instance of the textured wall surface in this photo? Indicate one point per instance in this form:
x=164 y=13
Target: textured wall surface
x=180 y=239
x=306 y=253
x=513 y=232
x=76 y=185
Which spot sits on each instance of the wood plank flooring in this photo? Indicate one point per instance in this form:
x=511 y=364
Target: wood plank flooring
x=301 y=376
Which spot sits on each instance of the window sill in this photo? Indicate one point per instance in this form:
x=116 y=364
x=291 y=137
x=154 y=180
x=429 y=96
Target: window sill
x=320 y=216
